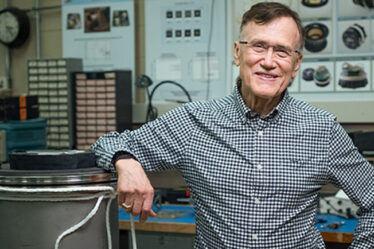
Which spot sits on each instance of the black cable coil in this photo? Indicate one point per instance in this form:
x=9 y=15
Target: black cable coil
x=144 y=81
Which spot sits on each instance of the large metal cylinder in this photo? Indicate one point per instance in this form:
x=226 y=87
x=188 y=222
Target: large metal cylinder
x=35 y=220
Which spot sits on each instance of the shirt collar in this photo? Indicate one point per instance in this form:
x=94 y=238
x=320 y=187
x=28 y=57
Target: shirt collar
x=245 y=111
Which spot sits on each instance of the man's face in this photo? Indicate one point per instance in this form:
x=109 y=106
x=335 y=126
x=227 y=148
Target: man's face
x=264 y=70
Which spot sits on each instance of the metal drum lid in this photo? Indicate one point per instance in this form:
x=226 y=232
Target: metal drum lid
x=51 y=159
x=55 y=177
x=54 y=167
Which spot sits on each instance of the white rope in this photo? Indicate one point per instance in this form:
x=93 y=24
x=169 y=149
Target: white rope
x=133 y=238
x=107 y=222
x=109 y=193
x=80 y=224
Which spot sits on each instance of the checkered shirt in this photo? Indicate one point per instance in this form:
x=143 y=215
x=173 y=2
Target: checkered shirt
x=254 y=181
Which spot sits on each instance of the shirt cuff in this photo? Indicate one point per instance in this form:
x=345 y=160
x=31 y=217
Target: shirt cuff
x=121 y=155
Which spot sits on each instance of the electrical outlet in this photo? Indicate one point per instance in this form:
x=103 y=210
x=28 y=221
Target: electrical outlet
x=3 y=82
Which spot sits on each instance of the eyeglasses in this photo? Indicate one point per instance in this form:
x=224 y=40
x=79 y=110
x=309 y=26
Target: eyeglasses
x=261 y=48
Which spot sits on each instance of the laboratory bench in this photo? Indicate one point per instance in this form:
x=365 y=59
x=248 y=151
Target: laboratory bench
x=174 y=230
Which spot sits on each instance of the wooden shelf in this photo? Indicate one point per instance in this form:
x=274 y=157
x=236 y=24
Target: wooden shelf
x=189 y=228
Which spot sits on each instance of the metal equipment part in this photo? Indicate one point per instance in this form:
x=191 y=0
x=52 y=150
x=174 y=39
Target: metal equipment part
x=316 y=34
x=365 y=3
x=314 y=3
x=321 y=76
x=352 y=76
x=62 y=208
x=354 y=36
x=308 y=74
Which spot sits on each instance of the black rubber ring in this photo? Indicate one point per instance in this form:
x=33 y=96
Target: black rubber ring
x=316 y=41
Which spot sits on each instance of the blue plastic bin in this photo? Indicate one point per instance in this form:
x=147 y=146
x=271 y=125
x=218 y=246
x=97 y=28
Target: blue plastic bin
x=25 y=134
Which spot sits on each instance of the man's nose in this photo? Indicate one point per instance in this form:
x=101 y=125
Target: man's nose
x=268 y=58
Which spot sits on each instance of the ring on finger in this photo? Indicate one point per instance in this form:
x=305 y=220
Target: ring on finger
x=127 y=208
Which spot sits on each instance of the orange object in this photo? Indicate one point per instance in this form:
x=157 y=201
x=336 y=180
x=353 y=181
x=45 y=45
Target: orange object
x=22 y=113
x=22 y=101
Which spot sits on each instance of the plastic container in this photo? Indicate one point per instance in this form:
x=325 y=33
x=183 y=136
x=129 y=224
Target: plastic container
x=24 y=135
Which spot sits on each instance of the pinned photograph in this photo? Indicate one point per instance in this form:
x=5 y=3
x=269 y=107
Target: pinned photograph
x=318 y=37
x=96 y=19
x=315 y=8
x=120 y=18
x=353 y=75
x=354 y=36
x=73 y=21
x=317 y=76
x=354 y=8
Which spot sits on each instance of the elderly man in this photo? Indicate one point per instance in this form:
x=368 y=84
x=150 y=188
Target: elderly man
x=255 y=160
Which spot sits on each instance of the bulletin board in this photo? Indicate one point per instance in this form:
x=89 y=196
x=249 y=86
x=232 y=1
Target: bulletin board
x=186 y=42
x=99 y=32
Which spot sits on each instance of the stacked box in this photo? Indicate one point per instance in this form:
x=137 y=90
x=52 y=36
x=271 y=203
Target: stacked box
x=50 y=80
x=19 y=108
x=103 y=104
x=22 y=135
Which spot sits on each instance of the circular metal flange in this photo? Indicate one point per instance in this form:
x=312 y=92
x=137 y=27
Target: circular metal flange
x=9 y=177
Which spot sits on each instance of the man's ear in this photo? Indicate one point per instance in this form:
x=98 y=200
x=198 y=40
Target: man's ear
x=297 y=65
x=236 y=53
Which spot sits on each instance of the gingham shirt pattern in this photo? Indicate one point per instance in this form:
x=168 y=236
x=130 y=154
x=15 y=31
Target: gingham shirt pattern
x=254 y=181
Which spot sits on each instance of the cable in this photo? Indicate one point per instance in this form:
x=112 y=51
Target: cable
x=152 y=112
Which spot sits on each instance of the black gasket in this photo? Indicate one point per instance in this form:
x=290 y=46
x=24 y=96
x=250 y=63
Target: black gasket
x=314 y=4
x=316 y=34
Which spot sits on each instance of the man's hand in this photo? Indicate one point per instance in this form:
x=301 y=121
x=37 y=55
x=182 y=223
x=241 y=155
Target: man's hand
x=135 y=192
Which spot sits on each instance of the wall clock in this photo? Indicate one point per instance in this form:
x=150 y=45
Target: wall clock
x=14 y=27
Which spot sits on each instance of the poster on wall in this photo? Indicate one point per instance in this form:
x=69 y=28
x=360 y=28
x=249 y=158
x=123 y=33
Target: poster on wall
x=353 y=36
x=318 y=37
x=353 y=8
x=315 y=9
x=353 y=76
x=317 y=76
x=101 y=33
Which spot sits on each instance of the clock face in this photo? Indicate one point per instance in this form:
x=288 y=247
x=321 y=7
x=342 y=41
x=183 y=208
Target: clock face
x=9 y=27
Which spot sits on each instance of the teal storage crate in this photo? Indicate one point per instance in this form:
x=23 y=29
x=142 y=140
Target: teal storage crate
x=24 y=135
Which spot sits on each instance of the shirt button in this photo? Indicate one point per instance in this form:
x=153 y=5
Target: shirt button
x=259 y=167
x=254 y=236
x=244 y=119
x=257 y=201
x=260 y=133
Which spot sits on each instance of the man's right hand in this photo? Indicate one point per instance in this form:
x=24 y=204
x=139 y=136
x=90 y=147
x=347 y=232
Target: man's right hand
x=134 y=189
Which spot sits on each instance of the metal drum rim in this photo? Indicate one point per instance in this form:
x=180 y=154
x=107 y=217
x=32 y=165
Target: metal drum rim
x=55 y=177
